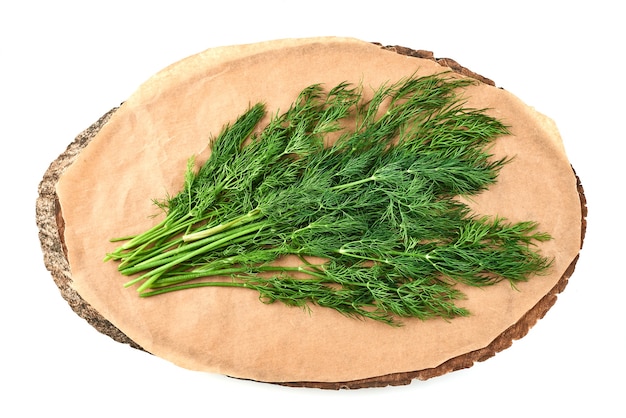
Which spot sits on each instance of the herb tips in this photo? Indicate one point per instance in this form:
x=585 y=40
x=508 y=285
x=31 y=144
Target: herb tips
x=373 y=218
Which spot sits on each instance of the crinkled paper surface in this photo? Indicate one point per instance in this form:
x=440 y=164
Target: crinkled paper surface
x=141 y=154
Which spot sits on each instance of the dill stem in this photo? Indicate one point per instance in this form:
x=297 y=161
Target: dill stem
x=165 y=257
x=163 y=243
x=200 y=273
x=353 y=183
x=251 y=216
x=151 y=233
x=193 y=285
x=152 y=275
x=168 y=227
x=251 y=282
x=415 y=254
x=141 y=253
x=158 y=244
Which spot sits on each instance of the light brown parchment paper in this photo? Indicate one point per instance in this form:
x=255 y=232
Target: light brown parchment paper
x=141 y=154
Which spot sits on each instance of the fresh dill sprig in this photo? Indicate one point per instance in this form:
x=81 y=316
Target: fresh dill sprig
x=379 y=206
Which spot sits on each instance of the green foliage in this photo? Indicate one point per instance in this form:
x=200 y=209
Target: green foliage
x=379 y=206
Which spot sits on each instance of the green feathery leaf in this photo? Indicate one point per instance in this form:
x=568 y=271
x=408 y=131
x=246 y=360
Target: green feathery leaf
x=378 y=206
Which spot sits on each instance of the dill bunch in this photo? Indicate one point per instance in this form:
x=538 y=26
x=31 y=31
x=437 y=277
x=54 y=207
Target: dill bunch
x=379 y=207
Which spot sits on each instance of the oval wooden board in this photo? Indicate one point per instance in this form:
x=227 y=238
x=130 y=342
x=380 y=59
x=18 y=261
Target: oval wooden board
x=231 y=332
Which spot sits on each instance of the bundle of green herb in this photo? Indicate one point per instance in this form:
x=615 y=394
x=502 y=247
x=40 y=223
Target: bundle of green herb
x=378 y=207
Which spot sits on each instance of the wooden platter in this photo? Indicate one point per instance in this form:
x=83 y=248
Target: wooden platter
x=232 y=333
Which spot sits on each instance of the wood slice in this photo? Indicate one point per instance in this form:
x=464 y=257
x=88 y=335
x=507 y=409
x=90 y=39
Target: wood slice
x=272 y=343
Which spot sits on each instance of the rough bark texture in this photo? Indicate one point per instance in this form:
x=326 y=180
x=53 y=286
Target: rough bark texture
x=51 y=228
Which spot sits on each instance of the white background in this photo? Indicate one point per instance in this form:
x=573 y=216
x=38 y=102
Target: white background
x=63 y=64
